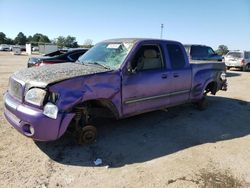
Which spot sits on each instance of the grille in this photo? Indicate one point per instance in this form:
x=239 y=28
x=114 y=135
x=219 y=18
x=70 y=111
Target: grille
x=15 y=89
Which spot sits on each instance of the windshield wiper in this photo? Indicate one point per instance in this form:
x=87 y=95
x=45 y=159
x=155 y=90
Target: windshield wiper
x=79 y=62
x=96 y=63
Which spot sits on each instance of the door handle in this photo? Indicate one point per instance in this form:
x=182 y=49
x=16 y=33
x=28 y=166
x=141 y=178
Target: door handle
x=164 y=76
x=176 y=75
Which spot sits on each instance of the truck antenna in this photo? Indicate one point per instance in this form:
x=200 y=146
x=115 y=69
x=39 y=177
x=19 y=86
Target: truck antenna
x=162 y=26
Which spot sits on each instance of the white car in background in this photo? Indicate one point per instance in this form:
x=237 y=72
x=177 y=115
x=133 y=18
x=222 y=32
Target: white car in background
x=35 y=48
x=238 y=59
x=4 y=47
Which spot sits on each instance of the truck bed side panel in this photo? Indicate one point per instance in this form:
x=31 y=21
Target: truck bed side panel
x=203 y=74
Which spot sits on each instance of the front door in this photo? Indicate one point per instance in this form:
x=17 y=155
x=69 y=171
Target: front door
x=146 y=87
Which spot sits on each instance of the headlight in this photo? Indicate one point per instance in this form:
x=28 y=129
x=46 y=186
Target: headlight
x=50 y=110
x=35 y=96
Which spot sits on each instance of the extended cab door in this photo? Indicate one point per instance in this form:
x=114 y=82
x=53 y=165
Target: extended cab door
x=181 y=74
x=145 y=87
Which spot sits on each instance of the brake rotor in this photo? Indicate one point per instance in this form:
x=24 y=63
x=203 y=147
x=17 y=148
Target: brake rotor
x=88 y=134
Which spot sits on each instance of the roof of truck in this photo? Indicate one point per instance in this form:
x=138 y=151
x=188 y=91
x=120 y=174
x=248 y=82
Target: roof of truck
x=133 y=40
x=195 y=45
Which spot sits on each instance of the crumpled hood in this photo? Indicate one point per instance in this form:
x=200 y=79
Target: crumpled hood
x=44 y=75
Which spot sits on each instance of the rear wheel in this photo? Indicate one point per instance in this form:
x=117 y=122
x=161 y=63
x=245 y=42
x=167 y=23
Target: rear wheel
x=246 y=67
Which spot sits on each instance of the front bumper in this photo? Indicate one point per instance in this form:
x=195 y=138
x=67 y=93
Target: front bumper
x=22 y=116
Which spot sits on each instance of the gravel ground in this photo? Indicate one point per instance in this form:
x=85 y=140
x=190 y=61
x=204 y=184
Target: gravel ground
x=178 y=147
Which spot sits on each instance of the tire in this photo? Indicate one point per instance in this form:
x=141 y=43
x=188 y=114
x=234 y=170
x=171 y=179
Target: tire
x=246 y=67
x=202 y=104
x=87 y=134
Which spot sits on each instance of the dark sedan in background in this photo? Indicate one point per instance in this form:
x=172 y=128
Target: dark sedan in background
x=59 y=56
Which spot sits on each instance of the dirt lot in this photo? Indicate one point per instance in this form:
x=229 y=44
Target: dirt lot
x=181 y=147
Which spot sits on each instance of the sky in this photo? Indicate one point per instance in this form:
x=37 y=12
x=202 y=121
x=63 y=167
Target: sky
x=209 y=22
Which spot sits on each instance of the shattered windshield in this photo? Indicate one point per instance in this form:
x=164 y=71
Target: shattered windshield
x=109 y=55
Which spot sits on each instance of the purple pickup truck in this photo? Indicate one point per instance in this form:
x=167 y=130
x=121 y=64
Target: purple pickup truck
x=116 y=78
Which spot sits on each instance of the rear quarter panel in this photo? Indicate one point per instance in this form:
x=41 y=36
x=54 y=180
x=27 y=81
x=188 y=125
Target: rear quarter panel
x=203 y=74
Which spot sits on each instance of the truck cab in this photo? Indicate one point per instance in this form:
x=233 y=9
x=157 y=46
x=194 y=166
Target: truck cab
x=161 y=66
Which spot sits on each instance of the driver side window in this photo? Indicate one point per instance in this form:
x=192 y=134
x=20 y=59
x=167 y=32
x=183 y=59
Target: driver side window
x=148 y=57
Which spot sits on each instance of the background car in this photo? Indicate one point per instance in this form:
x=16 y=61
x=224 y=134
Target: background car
x=59 y=56
x=238 y=59
x=35 y=48
x=4 y=47
x=201 y=52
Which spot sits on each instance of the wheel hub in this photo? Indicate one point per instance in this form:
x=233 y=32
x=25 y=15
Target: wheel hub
x=88 y=134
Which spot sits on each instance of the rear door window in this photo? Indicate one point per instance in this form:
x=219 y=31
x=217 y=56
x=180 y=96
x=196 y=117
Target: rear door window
x=234 y=54
x=176 y=56
x=247 y=55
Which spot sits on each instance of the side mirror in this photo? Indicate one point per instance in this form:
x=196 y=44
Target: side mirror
x=130 y=70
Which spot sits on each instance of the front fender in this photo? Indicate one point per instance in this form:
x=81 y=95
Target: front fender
x=92 y=87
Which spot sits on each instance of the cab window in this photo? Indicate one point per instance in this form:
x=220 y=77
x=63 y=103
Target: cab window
x=148 y=57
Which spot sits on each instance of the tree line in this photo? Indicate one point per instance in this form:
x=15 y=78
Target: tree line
x=38 y=38
x=222 y=50
x=62 y=41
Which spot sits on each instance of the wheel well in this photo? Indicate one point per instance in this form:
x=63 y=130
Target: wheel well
x=211 y=87
x=100 y=108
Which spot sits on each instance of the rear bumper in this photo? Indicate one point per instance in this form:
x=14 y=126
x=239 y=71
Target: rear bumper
x=25 y=118
x=236 y=65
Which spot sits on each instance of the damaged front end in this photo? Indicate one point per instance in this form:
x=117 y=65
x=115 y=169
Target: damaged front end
x=34 y=113
x=48 y=98
x=43 y=108
x=91 y=97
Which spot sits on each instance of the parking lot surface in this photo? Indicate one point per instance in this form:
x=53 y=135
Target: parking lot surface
x=178 y=147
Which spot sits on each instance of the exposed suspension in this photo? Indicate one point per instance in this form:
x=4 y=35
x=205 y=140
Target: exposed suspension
x=81 y=116
x=84 y=132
